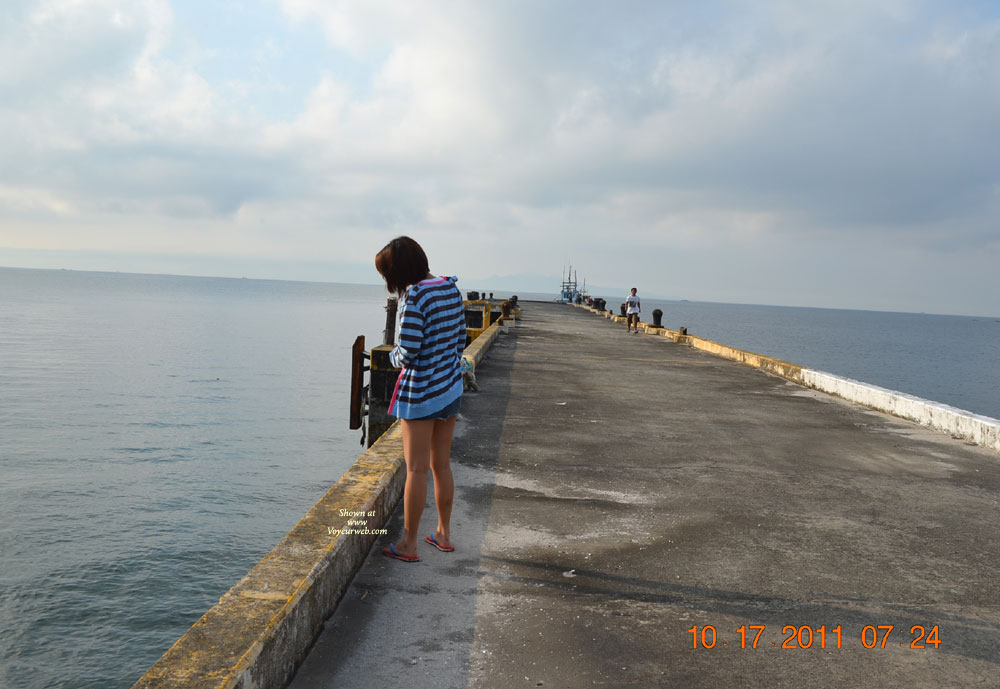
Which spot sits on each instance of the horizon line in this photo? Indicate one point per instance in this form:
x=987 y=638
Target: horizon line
x=553 y=292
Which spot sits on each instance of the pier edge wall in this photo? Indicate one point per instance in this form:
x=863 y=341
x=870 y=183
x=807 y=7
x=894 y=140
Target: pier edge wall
x=959 y=423
x=263 y=627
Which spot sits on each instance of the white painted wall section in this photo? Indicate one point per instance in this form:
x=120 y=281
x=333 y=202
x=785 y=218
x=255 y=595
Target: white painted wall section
x=981 y=430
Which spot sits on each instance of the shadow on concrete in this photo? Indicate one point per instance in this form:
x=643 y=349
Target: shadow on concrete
x=420 y=618
x=979 y=638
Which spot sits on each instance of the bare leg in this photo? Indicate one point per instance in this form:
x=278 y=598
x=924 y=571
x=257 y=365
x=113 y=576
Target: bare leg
x=444 y=482
x=417 y=452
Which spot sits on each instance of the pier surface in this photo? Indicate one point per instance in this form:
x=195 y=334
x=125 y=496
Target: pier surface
x=615 y=490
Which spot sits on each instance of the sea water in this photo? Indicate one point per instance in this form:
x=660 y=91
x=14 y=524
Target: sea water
x=158 y=436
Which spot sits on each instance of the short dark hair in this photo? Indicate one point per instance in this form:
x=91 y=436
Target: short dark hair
x=402 y=263
x=634 y=289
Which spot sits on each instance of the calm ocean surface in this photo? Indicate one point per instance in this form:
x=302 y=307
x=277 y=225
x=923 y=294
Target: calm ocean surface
x=158 y=435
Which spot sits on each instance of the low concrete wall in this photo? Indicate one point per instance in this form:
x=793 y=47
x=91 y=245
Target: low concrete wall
x=262 y=628
x=476 y=351
x=981 y=430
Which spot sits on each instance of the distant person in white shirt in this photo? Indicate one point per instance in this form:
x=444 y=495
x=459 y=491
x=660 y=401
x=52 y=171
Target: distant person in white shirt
x=632 y=310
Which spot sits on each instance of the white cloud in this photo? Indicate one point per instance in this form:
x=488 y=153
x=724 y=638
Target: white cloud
x=696 y=129
x=32 y=200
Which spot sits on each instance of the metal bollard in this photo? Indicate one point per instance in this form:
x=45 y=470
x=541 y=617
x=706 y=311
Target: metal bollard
x=657 y=318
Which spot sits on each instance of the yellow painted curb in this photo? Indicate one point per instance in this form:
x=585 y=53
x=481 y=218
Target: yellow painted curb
x=779 y=367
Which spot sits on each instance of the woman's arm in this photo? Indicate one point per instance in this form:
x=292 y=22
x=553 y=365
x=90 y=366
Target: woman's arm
x=460 y=335
x=411 y=336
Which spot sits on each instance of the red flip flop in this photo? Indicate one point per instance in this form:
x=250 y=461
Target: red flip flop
x=442 y=548
x=390 y=551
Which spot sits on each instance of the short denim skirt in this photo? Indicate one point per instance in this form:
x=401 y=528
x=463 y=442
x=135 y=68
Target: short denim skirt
x=445 y=413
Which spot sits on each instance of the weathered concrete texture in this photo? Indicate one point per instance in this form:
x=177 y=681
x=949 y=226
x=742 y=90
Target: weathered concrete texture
x=981 y=430
x=477 y=349
x=415 y=623
x=616 y=490
x=259 y=631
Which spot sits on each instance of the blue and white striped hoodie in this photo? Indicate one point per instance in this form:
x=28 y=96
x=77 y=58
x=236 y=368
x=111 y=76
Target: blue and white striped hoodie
x=431 y=342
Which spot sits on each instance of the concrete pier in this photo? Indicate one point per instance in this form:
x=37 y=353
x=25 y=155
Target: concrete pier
x=616 y=491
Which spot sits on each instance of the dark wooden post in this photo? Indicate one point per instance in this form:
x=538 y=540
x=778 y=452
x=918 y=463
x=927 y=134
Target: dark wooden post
x=357 y=381
x=390 y=321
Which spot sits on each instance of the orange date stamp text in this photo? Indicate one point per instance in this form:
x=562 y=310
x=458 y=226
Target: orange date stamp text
x=872 y=636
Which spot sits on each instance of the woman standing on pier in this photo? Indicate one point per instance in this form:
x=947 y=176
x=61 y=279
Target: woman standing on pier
x=429 y=390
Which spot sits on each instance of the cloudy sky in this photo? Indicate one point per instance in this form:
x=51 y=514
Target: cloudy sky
x=823 y=153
